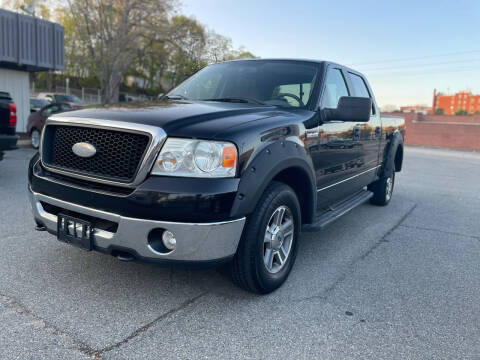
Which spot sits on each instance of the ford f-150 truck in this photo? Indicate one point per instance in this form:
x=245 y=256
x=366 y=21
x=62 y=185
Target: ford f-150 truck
x=229 y=167
x=8 y=122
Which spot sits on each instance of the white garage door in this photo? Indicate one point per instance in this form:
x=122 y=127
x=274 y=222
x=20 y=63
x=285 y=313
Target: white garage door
x=17 y=84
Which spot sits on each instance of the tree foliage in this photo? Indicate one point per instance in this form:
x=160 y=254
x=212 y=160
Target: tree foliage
x=137 y=45
x=461 y=112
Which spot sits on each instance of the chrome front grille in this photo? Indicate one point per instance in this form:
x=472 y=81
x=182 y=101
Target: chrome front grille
x=118 y=154
x=124 y=152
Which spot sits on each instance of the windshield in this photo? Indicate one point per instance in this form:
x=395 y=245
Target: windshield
x=38 y=103
x=68 y=98
x=279 y=83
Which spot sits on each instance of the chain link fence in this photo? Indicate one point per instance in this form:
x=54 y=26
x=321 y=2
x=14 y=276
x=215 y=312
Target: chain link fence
x=89 y=96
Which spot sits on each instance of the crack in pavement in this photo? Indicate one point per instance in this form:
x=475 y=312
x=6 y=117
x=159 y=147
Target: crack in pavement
x=144 y=328
x=13 y=303
x=442 y=231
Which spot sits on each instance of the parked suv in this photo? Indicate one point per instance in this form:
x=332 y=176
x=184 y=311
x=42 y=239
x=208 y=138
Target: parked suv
x=8 y=123
x=229 y=168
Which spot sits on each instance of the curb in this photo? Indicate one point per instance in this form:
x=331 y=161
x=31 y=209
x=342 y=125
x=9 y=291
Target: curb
x=24 y=144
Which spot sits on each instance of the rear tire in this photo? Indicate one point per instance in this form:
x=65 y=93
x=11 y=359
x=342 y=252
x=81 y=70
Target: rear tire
x=382 y=189
x=268 y=248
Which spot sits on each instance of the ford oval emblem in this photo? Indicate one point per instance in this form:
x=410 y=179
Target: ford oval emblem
x=84 y=149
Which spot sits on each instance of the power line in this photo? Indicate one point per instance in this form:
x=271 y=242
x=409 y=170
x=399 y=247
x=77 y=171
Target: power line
x=431 y=64
x=423 y=73
x=415 y=58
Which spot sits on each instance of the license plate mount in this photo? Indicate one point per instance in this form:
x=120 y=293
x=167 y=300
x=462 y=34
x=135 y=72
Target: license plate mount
x=74 y=231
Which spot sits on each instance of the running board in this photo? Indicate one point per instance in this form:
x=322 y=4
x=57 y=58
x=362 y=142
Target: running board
x=337 y=211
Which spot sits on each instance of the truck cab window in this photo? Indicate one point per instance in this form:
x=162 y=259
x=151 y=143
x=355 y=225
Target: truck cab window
x=360 y=88
x=335 y=88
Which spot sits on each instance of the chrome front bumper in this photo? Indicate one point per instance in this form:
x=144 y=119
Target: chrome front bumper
x=195 y=241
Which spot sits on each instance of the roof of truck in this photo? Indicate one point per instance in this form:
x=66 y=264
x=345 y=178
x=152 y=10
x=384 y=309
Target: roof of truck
x=280 y=59
x=299 y=60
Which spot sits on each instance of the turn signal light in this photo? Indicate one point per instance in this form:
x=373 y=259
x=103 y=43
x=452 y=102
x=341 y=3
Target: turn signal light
x=229 y=156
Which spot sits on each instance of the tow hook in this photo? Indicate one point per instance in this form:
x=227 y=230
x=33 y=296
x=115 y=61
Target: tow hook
x=40 y=228
x=123 y=256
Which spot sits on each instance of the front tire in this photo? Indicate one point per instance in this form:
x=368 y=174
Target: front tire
x=35 y=138
x=268 y=248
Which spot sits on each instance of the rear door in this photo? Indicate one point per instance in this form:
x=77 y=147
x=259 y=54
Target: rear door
x=370 y=132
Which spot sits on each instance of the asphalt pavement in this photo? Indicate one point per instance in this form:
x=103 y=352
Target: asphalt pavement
x=395 y=282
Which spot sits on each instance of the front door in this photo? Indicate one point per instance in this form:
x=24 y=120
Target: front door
x=338 y=152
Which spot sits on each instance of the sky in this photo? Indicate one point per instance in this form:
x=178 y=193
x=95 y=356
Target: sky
x=405 y=48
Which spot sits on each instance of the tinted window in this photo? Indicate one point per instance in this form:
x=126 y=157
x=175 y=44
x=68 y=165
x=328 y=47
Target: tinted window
x=335 y=88
x=50 y=110
x=65 y=107
x=38 y=103
x=270 y=82
x=68 y=98
x=359 y=87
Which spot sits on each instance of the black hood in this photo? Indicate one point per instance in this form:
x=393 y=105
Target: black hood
x=199 y=119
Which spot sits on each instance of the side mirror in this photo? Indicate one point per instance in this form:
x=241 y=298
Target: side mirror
x=350 y=108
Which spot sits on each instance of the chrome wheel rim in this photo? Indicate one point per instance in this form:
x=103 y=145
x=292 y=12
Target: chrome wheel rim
x=388 y=192
x=278 y=239
x=35 y=138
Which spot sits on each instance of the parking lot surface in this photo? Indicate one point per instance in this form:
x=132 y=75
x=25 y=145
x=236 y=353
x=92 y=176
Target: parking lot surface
x=394 y=282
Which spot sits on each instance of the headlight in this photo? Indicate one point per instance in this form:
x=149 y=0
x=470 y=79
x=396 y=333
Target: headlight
x=196 y=158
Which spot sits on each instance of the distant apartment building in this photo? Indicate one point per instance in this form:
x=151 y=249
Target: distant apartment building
x=450 y=104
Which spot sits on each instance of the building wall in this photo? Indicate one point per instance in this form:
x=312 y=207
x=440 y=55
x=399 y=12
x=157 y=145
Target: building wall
x=452 y=132
x=17 y=84
x=32 y=44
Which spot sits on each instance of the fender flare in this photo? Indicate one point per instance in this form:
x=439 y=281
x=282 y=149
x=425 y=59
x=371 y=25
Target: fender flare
x=395 y=141
x=270 y=161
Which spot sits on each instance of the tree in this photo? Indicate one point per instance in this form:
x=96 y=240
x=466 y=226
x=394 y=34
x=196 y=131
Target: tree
x=461 y=112
x=439 y=111
x=187 y=48
x=113 y=32
x=218 y=47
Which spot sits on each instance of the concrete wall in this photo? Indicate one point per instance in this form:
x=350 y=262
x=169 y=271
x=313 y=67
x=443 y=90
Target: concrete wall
x=453 y=132
x=17 y=84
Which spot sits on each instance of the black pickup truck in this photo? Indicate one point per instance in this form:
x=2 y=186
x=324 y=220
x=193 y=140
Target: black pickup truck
x=8 y=122
x=228 y=168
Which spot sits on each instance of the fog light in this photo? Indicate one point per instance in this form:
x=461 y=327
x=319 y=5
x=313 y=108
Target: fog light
x=169 y=240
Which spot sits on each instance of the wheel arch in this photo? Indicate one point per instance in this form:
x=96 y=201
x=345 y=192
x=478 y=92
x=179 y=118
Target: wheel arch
x=393 y=154
x=398 y=159
x=283 y=161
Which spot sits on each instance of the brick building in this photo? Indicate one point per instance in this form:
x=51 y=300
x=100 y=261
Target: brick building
x=463 y=100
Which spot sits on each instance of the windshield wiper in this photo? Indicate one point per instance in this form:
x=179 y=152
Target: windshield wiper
x=236 y=100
